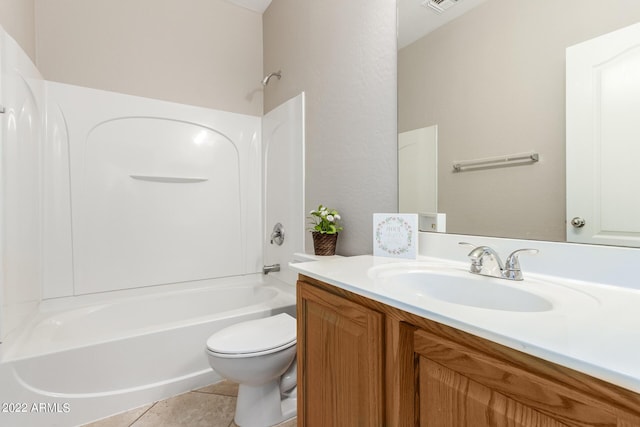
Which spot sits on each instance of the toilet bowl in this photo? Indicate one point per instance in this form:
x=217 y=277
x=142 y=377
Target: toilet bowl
x=259 y=355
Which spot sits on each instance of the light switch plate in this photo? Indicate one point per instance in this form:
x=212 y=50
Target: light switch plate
x=434 y=222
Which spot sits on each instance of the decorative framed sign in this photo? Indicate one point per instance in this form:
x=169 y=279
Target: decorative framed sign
x=395 y=235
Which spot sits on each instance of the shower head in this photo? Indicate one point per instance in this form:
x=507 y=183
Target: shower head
x=277 y=74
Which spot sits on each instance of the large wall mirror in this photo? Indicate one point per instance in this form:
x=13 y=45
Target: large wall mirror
x=489 y=77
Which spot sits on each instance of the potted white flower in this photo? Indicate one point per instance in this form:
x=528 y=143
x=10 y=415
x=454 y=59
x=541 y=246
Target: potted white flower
x=325 y=230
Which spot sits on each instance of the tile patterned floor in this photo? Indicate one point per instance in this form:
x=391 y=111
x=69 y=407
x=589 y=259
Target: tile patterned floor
x=211 y=406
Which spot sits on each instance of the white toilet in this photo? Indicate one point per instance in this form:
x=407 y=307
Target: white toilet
x=260 y=356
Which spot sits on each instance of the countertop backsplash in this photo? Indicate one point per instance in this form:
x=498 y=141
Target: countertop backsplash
x=610 y=265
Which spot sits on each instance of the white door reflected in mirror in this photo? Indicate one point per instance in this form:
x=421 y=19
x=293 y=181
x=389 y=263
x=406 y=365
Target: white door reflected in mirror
x=418 y=170
x=603 y=106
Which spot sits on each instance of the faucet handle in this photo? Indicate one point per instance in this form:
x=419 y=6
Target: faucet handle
x=512 y=269
x=476 y=251
x=277 y=235
x=476 y=259
x=466 y=244
x=493 y=265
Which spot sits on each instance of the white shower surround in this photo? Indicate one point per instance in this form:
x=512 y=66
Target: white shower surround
x=21 y=176
x=116 y=244
x=159 y=192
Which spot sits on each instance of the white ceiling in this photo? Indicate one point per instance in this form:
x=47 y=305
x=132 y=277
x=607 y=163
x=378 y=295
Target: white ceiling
x=256 y=5
x=415 y=21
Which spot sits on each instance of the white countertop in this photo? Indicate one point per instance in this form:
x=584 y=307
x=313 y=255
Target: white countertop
x=592 y=328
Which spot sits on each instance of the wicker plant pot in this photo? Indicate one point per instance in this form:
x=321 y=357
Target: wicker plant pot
x=324 y=244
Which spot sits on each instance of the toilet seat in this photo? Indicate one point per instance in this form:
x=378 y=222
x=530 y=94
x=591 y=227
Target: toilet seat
x=254 y=337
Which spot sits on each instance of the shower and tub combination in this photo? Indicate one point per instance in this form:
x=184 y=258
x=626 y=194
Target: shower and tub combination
x=131 y=231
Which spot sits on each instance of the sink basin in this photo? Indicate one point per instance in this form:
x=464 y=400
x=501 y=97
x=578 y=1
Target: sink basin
x=469 y=290
x=426 y=284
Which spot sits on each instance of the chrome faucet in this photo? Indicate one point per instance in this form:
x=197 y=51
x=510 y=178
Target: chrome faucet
x=266 y=269
x=486 y=261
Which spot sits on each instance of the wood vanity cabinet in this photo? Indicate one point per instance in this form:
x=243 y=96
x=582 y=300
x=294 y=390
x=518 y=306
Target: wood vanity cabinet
x=466 y=382
x=363 y=363
x=340 y=359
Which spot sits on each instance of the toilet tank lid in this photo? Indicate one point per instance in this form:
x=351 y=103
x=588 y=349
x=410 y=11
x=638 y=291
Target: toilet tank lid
x=254 y=336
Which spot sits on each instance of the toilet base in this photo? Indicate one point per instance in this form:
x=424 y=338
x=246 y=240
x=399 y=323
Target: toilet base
x=262 y=406
x=289 y=408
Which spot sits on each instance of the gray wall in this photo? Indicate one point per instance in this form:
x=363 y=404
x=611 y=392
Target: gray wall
x=199 y=52
x=343 y=55
x=493 y=81
x=18 y=19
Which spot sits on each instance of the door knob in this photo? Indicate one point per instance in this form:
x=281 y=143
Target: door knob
x=578 y=222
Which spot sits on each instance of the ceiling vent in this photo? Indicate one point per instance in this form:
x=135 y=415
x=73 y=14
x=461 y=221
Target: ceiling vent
x=439 y=6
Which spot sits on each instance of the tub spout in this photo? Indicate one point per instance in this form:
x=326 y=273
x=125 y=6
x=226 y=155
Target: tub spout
x=270 y=268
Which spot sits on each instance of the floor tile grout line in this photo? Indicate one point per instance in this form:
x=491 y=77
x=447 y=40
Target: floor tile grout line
x=199 y=391
x=214 y=393
x=143 y=414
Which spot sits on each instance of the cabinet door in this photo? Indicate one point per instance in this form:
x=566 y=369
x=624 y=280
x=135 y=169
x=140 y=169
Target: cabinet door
x=340 y=359
x=461 y=386
x=449 y=399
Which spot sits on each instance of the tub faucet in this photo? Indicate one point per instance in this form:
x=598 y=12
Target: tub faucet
x=270 y=268
x=486 y=261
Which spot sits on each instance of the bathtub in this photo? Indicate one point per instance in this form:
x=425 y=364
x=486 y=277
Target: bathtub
x=84 y=358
